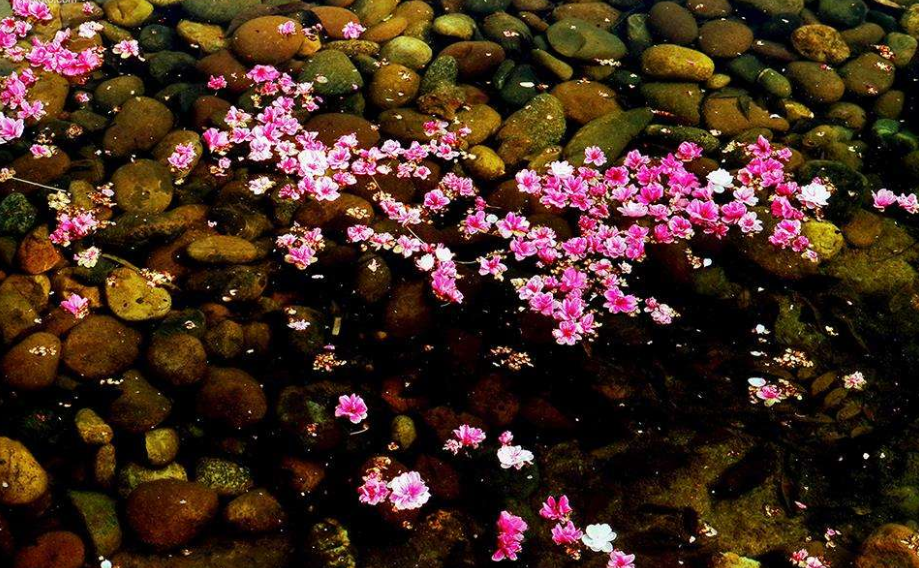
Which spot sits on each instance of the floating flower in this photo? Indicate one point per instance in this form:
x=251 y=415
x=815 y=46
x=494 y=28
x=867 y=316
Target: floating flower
x=465 y=436
x=126 y=48
x=88 y=257
x=555 y=510
x=510 y=536
x=566 y=533
x=216 y=82
x=620 y=559
x=854 y=381
x=287 y=28
x=514 y=457
x=76 y=305
x=352 y=407
x=408 y=491
x=352 y=30
x=374 y=490
x=599 y=538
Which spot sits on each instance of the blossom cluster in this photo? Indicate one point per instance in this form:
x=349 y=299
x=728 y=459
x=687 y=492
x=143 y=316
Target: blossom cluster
x=404 y=492
x=510 y=536
x=509 y=455
x=596 y=537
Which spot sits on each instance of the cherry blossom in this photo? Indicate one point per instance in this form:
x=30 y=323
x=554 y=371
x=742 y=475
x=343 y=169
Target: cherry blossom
x=510 y=536
x=408 y=491
x=514 y=457
x=599 y=538
x=351 y=407
x=620 y=559
x=76 y=305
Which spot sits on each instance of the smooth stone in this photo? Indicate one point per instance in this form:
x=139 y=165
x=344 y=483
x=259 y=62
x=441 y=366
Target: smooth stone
x=141 y=407
x=131 y=297
x=408 y=51
x=725 y=38
x=17 y=214
x=816 y=82
x=226 y=478
x=332 y=74
x=842 y=13
x=208 y=38
x=393 y=85
x=32 y=363
x=22 y=478
x=217 y=11
x=99 y=515
x=222 y=249
x=259 y=41
x=459 y=26
x=868 y=75
x=100 y=347
x=141 y=123
x=474 y=58
x=611 y=133
x=128 y=13
x=541 y=123
x=680 y=100
x=168 y=513
x=730 y=116
x=255 y=512
x=232 y=398
x=582 y=40
x=114 y=92
x=673 y=23
x=775 y=7
x=820 y=43
x=143 y=186
x=584 y=101
x=674 y=62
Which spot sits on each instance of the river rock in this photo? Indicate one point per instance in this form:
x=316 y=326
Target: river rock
x=725 y=38
x=168 y=513
x=56 y=549
x=22 y=478
x=100 y=347
x=99 y=515
x=32 y=363
x=888 y=547
x=820 y=43
x=673 y=23
x=232 y=398
x=255 y=512
x=868 y=75
x=536 y=126
x=140 y=407
x=676 y=63
x=582 y=40
x=393 y=86
x=259 y=40
x=222 y=249
x=128 y=13
x=332 y=73
x=815 y=82
x=611 y=133
x=217 y=11
x=131 y=297
x=140 y=124
x=143 y=186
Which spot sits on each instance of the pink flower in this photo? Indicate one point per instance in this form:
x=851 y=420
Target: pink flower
x=882 y=198
x=555 y=510
x=408 y=491
x=10 y=129
x=374 y=490
x=619 y=559
x=510 y=535
x=182 y=157
x=594 y=155
x=566 y=533
x=506 y=438
x=126 y=48
x=352 y=30
x=216 y=82
x=466 y=436
x=78 y=306
x=287 y=28
x=352 y=407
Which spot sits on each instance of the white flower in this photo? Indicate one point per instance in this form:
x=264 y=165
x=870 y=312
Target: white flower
x=599 y=538
x=720 y=179
x=814 y=195
x=514 y=457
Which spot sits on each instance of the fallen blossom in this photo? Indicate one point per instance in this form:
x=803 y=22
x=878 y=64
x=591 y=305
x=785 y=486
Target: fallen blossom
x=408 y=491
x=514 y=457
x=352 y=407
x=599 y=538
x=76 y=305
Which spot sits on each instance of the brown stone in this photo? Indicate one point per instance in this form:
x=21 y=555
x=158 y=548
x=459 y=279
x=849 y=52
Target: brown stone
x=57 y=549
x=167 y=513
x=232 y=398
x=32 y=363
x=100 y=347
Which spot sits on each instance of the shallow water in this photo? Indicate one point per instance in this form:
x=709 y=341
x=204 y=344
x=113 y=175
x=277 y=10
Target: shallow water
x=226 y=378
